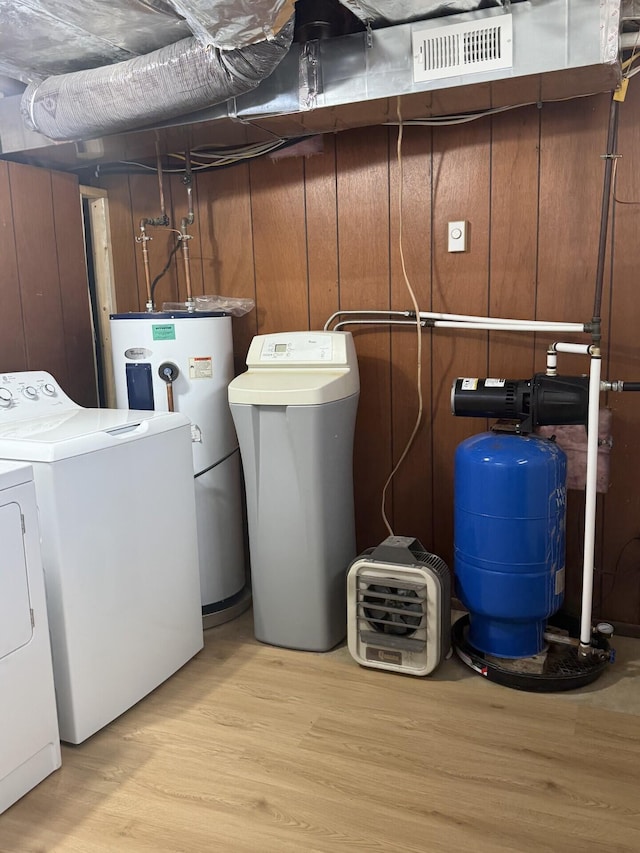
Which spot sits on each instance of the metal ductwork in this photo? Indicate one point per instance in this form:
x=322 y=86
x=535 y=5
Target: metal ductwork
x=169 y=82
x=403 y=11
x=536 y=50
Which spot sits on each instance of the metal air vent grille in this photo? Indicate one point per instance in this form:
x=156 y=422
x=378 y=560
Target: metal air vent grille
x=456 y=49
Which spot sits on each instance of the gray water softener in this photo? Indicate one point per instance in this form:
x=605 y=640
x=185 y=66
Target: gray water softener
x=294 y=411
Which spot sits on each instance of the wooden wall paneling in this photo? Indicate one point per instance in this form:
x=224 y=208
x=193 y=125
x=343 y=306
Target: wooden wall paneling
x=125 y=250
x=515 y=90
x=72 y=269
x=13 y=354
x=35 y=237
x=411 y=490
x=279 y=244
x=322 y=233
x=513 y=238
x=461 y=99
x=226 y=241
x=145 y=202
x=179 y=205
x=573 y=136
x=461 y=190
x=363 y=251
x=621 y=563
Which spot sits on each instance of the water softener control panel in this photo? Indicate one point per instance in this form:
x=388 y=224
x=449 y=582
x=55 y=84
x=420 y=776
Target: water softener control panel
x=300 y=349
x=298 y=368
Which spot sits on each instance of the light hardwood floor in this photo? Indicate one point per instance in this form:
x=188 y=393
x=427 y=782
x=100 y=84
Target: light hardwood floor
x=254 y=749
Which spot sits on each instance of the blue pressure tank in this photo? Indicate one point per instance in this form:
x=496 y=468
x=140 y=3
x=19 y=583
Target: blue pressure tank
x=509 y=532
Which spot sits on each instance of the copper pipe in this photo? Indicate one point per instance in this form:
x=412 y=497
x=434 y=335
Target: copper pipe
x=144 y=239
x=170 y=397
x=184 y=237
x=188 y=181
x=187 y=220
x=163 y=210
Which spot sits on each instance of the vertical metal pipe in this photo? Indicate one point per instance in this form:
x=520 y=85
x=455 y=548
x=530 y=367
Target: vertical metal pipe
x=186 y=258
x=188 y=181
x=187 y=220
x=143 y=239
x=163 y=210
x=609 y=157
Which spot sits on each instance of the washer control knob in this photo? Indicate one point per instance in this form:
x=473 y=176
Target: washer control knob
x=6 y=398
x=30 y=392
x=49 y=389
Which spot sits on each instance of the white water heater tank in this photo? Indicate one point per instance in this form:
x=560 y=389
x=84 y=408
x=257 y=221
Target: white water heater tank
x=183 y=361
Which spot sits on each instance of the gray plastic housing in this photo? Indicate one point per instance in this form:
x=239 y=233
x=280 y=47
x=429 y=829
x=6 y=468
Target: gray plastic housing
x=298 y=472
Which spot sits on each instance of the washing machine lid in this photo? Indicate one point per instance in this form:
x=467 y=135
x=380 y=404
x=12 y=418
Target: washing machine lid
x=75 y=432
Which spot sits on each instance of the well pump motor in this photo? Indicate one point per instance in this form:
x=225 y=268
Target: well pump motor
x=541 y=401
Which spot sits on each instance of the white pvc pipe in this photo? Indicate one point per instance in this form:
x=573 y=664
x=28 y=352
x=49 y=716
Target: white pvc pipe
x=580 y=349
x=532 y=326
x=593 y=423
x=496 y=322
x=545 y=325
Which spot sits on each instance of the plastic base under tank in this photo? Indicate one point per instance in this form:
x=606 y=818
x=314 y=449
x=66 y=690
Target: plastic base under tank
x=561 y=670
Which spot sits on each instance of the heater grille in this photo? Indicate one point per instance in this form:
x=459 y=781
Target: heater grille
x=455 y=49
x=392 y=612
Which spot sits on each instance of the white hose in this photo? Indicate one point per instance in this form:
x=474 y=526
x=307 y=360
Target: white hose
x=327 y=325
x=343 y=323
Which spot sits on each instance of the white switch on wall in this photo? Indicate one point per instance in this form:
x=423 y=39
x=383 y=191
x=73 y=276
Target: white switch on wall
x=457 y=236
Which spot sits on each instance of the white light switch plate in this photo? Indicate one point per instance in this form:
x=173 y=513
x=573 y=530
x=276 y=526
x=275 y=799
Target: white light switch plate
x=457 y=236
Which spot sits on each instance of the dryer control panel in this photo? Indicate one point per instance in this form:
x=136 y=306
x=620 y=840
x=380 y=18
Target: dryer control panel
x=31 y=394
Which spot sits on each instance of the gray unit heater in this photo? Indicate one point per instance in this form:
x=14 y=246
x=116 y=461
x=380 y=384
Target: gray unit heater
x=399 y=607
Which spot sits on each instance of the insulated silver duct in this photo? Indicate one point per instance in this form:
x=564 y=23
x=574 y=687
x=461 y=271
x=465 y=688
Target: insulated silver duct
x=175 y=80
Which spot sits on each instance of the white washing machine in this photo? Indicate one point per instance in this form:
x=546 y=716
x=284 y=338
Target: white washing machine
x=29 y=739
x=119 y=548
